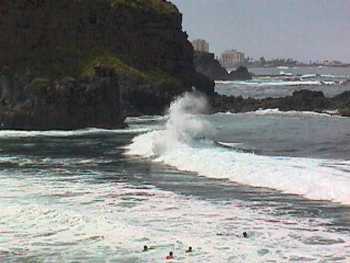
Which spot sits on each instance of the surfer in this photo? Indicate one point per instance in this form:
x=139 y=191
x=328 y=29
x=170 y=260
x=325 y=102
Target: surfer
x=189 y=250
x=147 y=248
x=245 y=234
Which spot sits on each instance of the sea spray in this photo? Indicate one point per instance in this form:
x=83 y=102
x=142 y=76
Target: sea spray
x=184 y=144
x=184 y=125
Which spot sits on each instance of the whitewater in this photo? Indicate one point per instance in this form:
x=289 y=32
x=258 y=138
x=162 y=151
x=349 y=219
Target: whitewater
x=186 y=143
x=183 y=179
x=179 y=180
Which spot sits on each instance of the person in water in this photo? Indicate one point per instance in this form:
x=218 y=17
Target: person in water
x=147 y=248
x=189 y=250
x=245 y=234
x=170 y=256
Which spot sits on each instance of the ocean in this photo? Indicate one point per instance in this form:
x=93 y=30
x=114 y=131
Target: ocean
x=179 y=180
x=283 y=81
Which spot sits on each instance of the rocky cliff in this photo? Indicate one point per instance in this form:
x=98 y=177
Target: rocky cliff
x=206 y=64
x=43 y=104
x=141 y=41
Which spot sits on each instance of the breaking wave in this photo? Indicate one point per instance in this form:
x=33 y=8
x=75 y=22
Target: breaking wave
x=184 y=144
x=72 y=133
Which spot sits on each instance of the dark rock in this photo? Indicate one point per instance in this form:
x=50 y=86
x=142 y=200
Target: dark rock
x=241 y=73
x=206 y=64
x=65 y=104
x=304 y=100
x=343 y=98
x=343 y=103
x=142 y=42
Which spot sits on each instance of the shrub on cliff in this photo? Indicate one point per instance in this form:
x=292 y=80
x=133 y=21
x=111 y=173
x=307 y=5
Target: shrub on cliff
x=39 y=86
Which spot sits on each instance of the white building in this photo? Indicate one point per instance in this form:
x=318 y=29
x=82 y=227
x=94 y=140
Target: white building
x=232 y=58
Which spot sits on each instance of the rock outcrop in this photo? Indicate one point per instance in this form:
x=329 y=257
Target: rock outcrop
x=303 y=100
x=206 y=64
x=141 y=41
x=42 y=104
x=241 y=73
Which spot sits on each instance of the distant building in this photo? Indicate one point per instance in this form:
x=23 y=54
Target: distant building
x=200 y=45
x=232 y=58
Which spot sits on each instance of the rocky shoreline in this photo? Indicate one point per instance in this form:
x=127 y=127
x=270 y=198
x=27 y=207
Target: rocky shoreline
x=303 y=100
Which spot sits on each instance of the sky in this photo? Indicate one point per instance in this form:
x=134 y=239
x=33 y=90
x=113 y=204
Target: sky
x=301 y=29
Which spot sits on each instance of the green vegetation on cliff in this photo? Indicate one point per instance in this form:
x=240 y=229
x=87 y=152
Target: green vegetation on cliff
x=54 y=39
x=105 y=58
x=112 y=61
x=39 y=85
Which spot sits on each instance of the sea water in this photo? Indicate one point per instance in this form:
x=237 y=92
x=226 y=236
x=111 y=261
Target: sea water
x=275 y=82
x=179 y=180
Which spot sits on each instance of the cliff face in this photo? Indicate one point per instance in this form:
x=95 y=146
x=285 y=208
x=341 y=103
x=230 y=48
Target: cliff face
x=60 y=38
x=42 y=104
x=206 y=64
x=142 y=41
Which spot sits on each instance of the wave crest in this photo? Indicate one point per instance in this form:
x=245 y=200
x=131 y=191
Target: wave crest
x=183 y=144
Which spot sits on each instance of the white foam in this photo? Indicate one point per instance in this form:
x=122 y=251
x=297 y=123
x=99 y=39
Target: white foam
x=79 y=221
x=54 y=133
x=267 y=112
x=229 y=144
x=311 y=178
x=148 y=118
x=308 y=76
x=272 y=83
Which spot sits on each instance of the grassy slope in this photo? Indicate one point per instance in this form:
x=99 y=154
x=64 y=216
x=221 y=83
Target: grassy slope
x=111 y=60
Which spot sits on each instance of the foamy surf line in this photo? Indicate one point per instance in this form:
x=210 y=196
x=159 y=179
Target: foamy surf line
x=181 y=145
x=271 y=83
x=72 y=133
x=301 y=176
x=277 y=112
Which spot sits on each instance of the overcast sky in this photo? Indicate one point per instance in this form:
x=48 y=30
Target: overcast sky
x=301 y=29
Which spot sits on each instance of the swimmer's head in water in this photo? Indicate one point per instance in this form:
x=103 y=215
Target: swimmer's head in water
x=145 y=248
x=245 y=234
